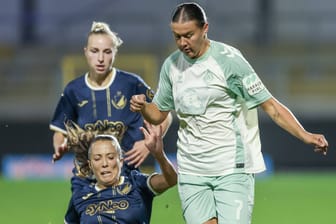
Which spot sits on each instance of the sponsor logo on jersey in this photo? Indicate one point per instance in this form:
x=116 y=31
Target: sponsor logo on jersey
x=253 y=84
x=87 y=196
x=108 y=206
x=115 y=128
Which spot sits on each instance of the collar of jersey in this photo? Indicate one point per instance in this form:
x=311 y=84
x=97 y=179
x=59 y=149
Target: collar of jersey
x=103 y=87
x=200 y=59
x=121 y=181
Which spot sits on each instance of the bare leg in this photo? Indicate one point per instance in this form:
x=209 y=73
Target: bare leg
x=211 y=221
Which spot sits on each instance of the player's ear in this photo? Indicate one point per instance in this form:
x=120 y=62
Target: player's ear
x=121 y=160
x=205 y=29
x=89 y=162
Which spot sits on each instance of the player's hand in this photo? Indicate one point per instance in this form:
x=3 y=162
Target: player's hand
x=60 y=151
x=318 y=141
x=137 y=155
x=153 y=138
x=137 y=102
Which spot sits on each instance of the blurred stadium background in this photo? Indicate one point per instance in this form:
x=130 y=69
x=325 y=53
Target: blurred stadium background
x=291 y=45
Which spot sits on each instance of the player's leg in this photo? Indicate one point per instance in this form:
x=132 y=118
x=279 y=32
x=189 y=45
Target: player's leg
x=251 y=196
x=211 y=221
x=234 y=196
x=197 y=199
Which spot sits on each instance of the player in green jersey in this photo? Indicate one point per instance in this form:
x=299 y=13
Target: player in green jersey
x=215 y=93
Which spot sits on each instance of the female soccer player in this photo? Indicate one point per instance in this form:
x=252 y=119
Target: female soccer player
x=215 y=93
x=99 y=100
x=116 y=198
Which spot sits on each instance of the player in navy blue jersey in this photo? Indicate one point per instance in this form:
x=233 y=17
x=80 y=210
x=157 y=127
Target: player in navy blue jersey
x=99 y=100
x=116 y=198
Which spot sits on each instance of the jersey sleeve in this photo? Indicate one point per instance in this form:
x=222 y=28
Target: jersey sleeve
x=244 y=82
x=164 y=96
x=71 y=215
x=142 y=182
x=64 y=111
x=143 y=88
x=135 y=120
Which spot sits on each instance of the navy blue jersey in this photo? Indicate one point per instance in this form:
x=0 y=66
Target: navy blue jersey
x=103 y=108
x=128 y=203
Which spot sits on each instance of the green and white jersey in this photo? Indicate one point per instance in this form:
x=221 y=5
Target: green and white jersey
x=215 y=98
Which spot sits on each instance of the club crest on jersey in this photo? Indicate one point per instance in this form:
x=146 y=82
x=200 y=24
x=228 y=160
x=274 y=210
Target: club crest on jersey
x=124 y=189
x=208 y=76
x=119 y=101
x=253 y=84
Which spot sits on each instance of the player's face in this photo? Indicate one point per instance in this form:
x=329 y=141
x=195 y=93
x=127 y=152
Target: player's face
x=105 y=163
x=190 y=38
x=99 y=54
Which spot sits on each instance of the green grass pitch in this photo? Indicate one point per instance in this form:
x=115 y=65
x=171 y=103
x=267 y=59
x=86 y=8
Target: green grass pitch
x=293 y=198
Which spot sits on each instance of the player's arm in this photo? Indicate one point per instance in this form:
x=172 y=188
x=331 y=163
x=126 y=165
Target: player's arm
x=166 y=123
x=283 y=117
x=168 y=177
x=154 y=143
x=149 y=111
x=60 y=145
x=139 y=152
x=65 y=110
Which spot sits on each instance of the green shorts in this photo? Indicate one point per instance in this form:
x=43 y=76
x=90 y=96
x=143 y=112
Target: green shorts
x=230 y=198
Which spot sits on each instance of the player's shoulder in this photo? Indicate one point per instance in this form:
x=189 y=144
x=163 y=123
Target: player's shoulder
x=84 y=192
x=173 y=57
x=77 y=82
x=137 y=174
x=228 y=56
x=224 y=49
x=127 y=76
x=137 y=177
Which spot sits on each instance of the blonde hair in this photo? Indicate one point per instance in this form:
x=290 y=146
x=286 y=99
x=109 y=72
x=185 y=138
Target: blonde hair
x=104 y=28
x=106 y=137
x=80 y=141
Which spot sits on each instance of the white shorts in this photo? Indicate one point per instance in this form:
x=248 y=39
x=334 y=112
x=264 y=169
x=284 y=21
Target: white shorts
x=229 y=198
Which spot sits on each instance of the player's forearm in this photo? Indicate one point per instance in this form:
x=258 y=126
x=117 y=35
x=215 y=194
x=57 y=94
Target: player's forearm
x=288 y=121
x=167 y=123
x=152 y=114
x=58 y=140
x=168 y=172
x=284 y=118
